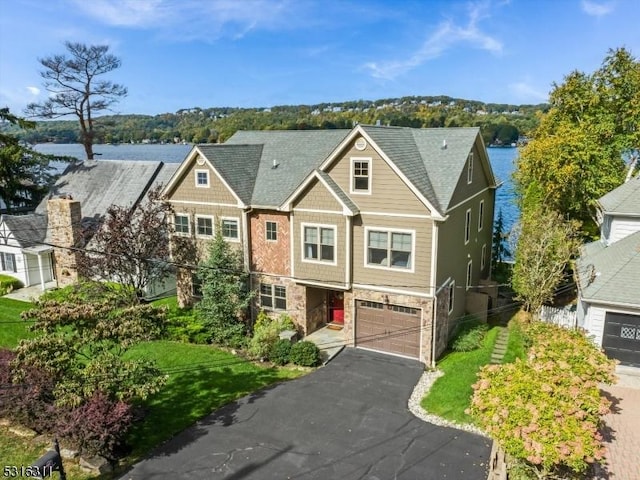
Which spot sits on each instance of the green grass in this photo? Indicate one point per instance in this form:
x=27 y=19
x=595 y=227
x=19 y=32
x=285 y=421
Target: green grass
x=12 y=328
x=203 y=379
x=515 y=344
x=451 y=394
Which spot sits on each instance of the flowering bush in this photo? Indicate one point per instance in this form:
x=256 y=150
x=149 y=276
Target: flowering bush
x=547 y=410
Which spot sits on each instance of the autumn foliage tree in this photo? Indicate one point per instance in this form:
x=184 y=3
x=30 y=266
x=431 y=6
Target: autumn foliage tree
x=130 y=245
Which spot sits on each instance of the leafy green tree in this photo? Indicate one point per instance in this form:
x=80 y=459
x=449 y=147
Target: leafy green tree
x=577 y=153
x=225 y=295
x=25 y=175
x=81 y=339
x=75 y=88
x=545 y=244
x=499 y=248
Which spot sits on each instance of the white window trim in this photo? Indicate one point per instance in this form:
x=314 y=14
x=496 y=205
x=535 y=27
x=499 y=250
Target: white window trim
x=411 y=269
x=213 y=226
x=480 y=215
x=202 y=170
x=273 y=307
x=467 y=226
x=182 y=234
x=469 y=274
x=335 y=241
x=483 y=258
x=470 y=168
x=266 y=231
x=452 y=296
x=231 y=239
x=352 y=190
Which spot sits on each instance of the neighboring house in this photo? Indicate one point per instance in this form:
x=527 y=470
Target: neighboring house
x=383 y=231
x=35 y=248
x=608 y=274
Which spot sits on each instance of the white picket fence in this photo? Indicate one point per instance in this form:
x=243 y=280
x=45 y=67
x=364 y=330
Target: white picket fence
x=565 y=317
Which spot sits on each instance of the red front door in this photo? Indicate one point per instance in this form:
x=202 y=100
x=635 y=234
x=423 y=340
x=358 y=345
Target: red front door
x=336 y=307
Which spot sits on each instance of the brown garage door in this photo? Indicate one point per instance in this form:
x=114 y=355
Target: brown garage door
x=388 y=328
x=621 y=338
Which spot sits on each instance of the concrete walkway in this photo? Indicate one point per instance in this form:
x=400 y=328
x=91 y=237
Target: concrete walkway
x=330 y=341
x=622 y=432
x=29 y=294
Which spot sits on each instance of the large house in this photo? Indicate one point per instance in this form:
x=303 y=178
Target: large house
x=383 y=231
x=37 y=248
x=608 y=274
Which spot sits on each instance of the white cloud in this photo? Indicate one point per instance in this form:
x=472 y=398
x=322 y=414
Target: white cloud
x=597 y=9
x=527 y=93
x=190 y=19
x=446 y=36
x=34 y=91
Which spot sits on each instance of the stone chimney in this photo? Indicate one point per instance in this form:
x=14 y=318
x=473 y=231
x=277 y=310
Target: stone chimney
x=65 y=216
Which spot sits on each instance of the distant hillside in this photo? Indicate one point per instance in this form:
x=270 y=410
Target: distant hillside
x=499 y=123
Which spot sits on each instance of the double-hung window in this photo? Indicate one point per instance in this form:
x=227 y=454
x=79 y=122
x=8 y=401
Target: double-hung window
x=470 y=168
x=271 y=231
x=8 y=262
x=204 y=226
x=481 y=215
x=467 y=226
x=273 y=297
x=319 y=243
x=230 y=229
x=390 y=249
x=360 y=175
x=181 y=224
x=202 y=178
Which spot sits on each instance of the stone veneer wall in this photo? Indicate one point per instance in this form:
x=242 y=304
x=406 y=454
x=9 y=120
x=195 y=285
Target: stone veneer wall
x=296 y=299
x=65 y=216
x=426 y=304
x=442 y=321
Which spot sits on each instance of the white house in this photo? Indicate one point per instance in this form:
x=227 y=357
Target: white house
x=608 y=274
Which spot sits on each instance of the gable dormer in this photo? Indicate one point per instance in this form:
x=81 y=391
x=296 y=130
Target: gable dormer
x=619 y=212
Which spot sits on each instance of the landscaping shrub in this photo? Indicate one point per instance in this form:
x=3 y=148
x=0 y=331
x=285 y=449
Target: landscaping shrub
x=280 y=352
x=305 y=354
x=8 y=284
x=470 y=336
x=98 y=426
x=266 y=332
x=188 y=329
x=546 y=410
x=30 y=402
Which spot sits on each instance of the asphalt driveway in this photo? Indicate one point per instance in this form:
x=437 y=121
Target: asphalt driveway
x=347 y=420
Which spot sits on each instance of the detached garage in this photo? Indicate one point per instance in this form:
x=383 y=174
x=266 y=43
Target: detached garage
x=393 y=329
x=621 y=338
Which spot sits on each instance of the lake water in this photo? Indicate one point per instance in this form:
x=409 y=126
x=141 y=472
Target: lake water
x=502 y=162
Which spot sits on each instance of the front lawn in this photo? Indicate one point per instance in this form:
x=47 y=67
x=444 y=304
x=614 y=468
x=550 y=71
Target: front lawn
x=451 y=394
x=12 y=328
x=202 y=378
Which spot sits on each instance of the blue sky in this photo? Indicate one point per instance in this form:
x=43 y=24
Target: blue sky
x=261 y=53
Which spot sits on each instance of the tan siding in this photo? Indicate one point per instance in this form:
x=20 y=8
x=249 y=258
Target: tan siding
x=319 y=272
x=392 y=278
x=269 y=256
x=186 y=188
x=453 y=254
x=317 y=197
x=211 y=211
x=388 y=192
x=479 y=181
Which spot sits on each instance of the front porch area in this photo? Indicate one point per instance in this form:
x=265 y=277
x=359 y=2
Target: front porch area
x=29 y=294
x=329 y=340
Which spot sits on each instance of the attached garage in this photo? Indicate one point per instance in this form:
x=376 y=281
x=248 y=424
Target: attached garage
x=621 y=338
x=385 y=328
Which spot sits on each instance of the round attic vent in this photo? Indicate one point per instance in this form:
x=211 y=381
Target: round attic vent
x=361 y=144
x=200 y=161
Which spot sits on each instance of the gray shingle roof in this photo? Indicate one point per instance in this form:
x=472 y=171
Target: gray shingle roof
x=610 y=273
x=28 y=230
x=237 y=164
x=102 y=183
x=335 y=188
x=623 y=200
x=296 y=152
